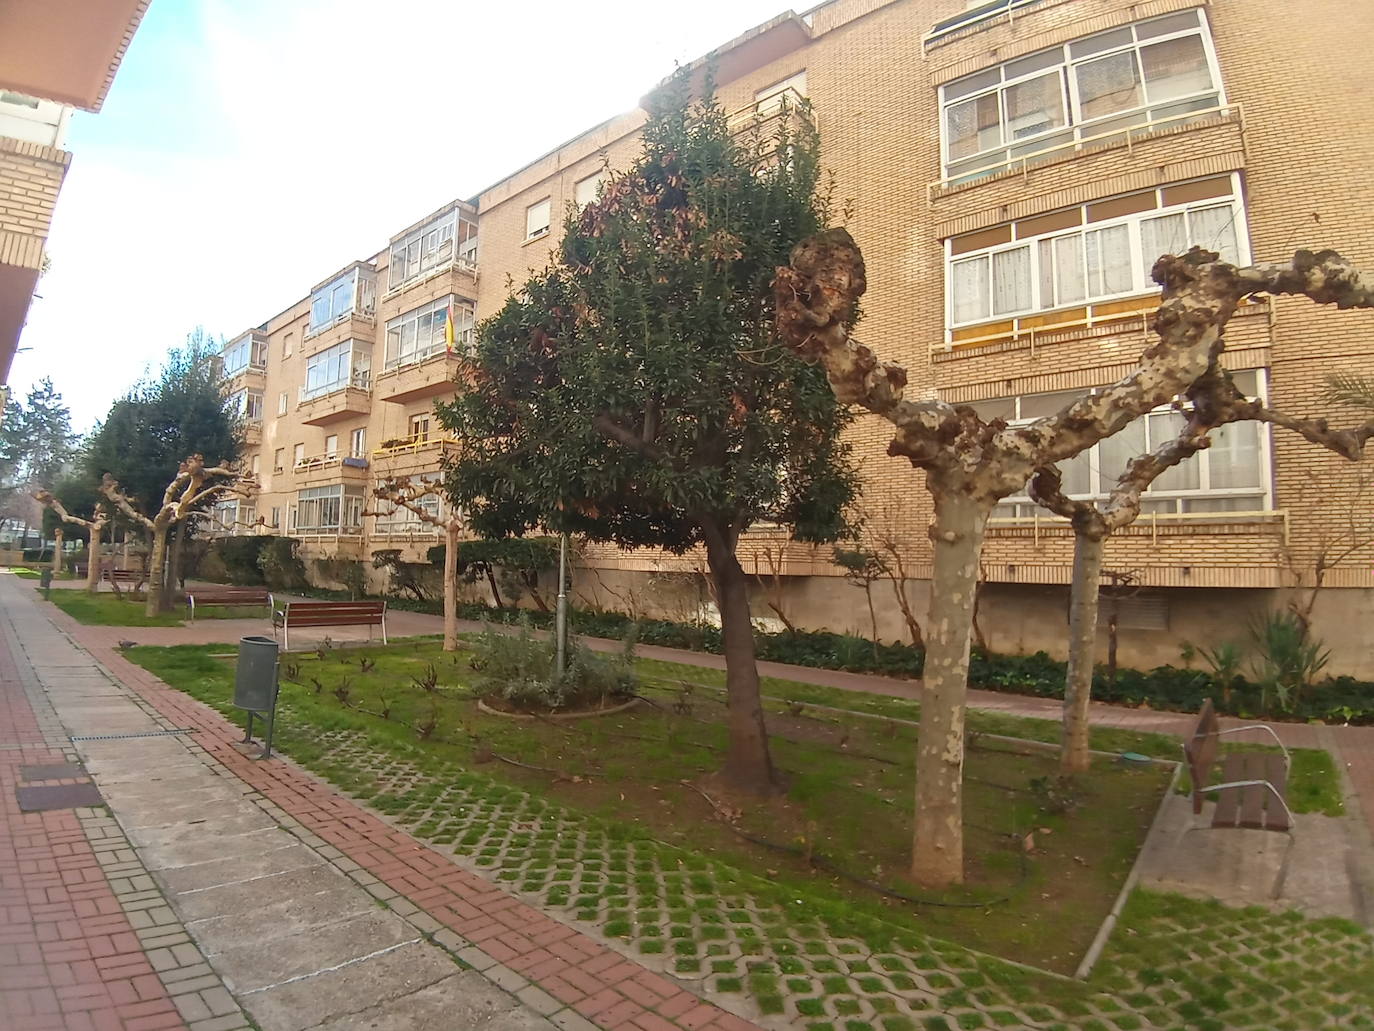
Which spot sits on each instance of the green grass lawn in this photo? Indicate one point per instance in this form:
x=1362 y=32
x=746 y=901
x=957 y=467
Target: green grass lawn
x=25 y=573
x=593 y=820
x=110 y=610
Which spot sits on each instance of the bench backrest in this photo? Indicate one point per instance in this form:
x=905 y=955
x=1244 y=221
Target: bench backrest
x=130 y=575
x=218 y=594
x=334 y=613
x=1201 y=751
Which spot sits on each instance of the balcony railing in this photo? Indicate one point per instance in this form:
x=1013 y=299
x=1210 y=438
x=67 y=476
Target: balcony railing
x=358 y=381
x=1093 y=135
x=976 y=15
x=330 y=461
x=462 y=347
x=451 y=263
x=785 y=101
x=1042 y=521
x=411 y=445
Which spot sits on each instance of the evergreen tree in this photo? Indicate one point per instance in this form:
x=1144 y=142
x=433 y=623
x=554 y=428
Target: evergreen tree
x=634 y=391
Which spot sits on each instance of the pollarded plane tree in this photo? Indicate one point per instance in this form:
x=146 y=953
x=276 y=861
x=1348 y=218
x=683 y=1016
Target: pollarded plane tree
x=410 y=494
x=193 y=486
x=94 y=526
x=970 y=464
x=635 y=392
x=1215 y=402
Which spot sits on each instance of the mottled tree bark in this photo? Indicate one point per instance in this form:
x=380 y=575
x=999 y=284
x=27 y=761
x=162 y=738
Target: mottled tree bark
x=965 y=457
x=57 y=536
x=184 y=493
x=937 y=855
x=748 y=764
x=406 y=493
x=93 y=557
x=95 y=525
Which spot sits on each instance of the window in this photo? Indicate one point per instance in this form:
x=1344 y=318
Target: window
x=286 y=344
x=790 y=90
x=397 y=519
x=1152 y=71
x=282 y=403
x=432 y=246
x=586 y=189
x=247 y=404
x=1092 y=253
x=257 y=464
x=243 y=353
x=276 y=516
x=279 y=457
x=343 y=365
x=331 y=446
x=329 y=510
x=426 y=331
x=537 y=219
x=354 y=291
x=1230 y=476
x=299 y=454
x=357 y=443
x=419 y=427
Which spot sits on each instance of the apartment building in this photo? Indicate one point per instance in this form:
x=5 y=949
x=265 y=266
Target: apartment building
x=1012 y=167
x=55 y=55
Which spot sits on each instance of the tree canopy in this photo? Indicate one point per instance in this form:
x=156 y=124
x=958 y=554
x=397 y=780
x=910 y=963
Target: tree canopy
x=633 y=391
x=179 y=411
x=37 y=447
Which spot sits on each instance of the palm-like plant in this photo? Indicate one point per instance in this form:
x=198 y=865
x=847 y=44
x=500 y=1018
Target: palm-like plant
x=1351 y=389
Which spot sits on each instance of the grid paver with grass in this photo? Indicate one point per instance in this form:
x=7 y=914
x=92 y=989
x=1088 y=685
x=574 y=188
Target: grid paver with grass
x=811 y=950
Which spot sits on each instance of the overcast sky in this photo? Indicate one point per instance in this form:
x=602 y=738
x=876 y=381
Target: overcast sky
x=249 y=148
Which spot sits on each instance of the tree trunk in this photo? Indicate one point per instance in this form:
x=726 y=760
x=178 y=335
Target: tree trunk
x=174 y=563
x=157 y=561
x=937 y=859
x=913 y=626
x=57 y=536
x=495 y=592
x=872 y=617
x=1078 y=683
x=93 y=559
x=748 y=765
x=451 y=587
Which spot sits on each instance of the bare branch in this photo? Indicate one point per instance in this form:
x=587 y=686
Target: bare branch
x=611 y=429
x=109 y=486
x=44 y=497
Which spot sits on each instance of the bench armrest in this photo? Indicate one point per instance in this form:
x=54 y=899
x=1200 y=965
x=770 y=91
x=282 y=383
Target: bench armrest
x=1287 y=759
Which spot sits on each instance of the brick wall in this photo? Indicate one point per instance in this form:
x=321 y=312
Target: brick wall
x=30 y=177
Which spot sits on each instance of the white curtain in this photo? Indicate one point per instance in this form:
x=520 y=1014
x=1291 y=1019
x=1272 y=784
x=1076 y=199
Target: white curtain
x=1234 y=457
x=969 y=282
x=1011 y=281
x=1187 y=475
x=1215 y=229
x=1158 y=236
x=1109 y=261
x=1115 y=451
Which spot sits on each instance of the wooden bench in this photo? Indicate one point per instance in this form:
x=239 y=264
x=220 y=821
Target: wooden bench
x=203 y=596
x=126 y=577
x=328 y=613
x=1252 y=786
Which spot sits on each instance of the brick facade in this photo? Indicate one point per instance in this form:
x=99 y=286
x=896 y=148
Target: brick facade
x=873 y=76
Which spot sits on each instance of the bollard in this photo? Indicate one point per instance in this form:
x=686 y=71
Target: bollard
x=255 y=685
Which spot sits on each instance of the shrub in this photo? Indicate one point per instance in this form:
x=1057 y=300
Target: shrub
x=510 y=565
x=346 y=571
x=517 y=669
x=239 y=556
x=38 y=554
x=280 y=564
x=418 y=579
x=211 y=567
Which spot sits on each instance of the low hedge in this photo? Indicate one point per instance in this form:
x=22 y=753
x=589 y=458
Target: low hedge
x=1338 y=699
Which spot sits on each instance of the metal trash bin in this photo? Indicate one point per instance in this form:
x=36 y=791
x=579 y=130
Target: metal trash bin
x=255 y=684
x=45 y=579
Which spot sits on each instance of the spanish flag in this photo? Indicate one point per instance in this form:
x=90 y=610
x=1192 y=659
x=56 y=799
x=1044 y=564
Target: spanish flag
x=450 y=330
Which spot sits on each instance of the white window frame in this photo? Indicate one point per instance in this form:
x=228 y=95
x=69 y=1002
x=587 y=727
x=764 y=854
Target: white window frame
x=357 y=442
x=464 y=319
x=247 y=352
x=769 y=100
x=1141 y=282
x=313 y=512
x=1074 y=127
x=1012 y=507
x=360 y=299
x=394 y=520
x=533 y=232
x=283 y=402
x=437 y=244
x=352 y=361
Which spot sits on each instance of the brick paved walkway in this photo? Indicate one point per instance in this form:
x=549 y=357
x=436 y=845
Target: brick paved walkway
x=70 y=959
x=580 y=983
